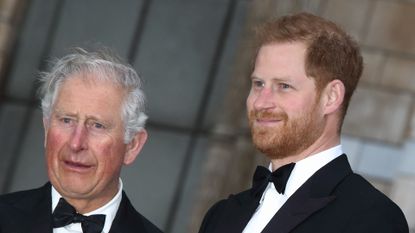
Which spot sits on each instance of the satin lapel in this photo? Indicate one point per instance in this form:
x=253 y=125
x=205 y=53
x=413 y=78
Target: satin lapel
x=312 y=196
x=294 y=211
x=126 y=219
x=237 y=213
x=41 y=214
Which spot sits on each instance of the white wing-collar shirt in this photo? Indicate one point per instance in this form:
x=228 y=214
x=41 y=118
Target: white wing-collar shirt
x=110 y=210
x=271 y=201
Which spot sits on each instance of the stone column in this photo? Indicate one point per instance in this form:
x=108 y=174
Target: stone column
x=11 y=12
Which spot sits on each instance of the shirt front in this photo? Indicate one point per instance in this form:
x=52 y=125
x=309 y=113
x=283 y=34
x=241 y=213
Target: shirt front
x=271 y=201
x=109 y=210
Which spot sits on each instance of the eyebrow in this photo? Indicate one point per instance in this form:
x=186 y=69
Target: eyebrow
x=107 y=123
x=62 y=113
x=88 y=117
x=284 y=79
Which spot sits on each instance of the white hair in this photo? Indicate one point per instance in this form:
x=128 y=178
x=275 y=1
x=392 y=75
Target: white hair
x=109 y=68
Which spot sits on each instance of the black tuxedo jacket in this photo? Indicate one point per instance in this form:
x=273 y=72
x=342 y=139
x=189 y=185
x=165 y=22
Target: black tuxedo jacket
x=333 y=200
x=30 y=212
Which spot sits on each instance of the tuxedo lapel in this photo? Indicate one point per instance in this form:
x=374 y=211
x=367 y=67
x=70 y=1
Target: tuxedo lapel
x=127 y=218
x=41 y=222
x=39 y=211
x=241 y=208
x=294 y=211
x=312 y=196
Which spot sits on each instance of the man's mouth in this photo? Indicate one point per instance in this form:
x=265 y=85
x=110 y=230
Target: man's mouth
x=77 y=166
x=267 y=122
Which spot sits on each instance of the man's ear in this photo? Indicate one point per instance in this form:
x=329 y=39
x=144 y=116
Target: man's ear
x=135 y=146
x=333 y=95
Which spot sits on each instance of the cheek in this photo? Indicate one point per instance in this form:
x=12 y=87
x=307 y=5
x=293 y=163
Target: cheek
x=298 y=104
x=54 y=141
x=249 y=102
x=54 y=144
x=110 y=162
x=110 y=153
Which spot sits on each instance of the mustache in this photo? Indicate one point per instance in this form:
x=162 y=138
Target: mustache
x=267 y=115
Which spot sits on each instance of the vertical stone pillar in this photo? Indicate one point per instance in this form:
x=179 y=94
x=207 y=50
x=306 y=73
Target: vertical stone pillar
x=10 y=18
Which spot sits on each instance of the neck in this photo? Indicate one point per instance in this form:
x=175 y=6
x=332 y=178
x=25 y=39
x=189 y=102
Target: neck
x=323 y=143
x=88 y=204
x=85 y=206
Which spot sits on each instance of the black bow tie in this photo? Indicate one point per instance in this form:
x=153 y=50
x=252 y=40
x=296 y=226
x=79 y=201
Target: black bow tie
x=279 y=177
x=65 y=214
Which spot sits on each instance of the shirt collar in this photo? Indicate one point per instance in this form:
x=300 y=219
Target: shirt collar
x=304 y=169
x=110 y=209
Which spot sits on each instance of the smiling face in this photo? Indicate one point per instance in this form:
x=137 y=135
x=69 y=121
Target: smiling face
x=84 y=141
x=283 y=105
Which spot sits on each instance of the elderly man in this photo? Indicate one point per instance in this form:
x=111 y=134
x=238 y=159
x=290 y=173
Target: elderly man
x=305 y=72
x=93 y=116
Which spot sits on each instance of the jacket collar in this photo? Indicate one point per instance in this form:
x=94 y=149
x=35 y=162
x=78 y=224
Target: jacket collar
x=127 y=219
x=314 y=195
x=39 y=215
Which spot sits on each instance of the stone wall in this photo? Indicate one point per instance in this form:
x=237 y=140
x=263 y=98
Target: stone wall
x=381 y=115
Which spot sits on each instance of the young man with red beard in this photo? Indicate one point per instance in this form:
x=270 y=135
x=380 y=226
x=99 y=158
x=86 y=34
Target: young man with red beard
x=306 y=70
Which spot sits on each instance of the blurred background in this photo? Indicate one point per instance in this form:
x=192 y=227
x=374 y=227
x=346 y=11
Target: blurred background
x=195 y=58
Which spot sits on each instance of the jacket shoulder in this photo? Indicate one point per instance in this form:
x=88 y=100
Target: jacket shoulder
x=359 y=190
x=24 y=198
x=20 y=211
x=237 y=198
x=371 y=208
x=223 y=209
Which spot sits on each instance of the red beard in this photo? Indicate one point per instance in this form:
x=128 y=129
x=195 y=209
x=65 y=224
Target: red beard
x=289 y=137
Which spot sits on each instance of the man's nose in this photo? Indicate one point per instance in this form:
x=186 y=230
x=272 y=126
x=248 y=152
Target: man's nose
x=265 y=99
x=78 y=139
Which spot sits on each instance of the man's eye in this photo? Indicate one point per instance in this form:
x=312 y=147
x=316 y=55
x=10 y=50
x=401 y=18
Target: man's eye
x=66 y=120
x=99 y=126
x=96 y=126
x=284 y=86
x=257 y=83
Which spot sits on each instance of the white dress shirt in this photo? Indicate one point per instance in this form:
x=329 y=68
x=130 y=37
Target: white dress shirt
x=271 y=201
x=110 y=210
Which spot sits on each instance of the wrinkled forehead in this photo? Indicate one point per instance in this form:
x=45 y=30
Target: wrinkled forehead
x=89 y=84
x=87 y=94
